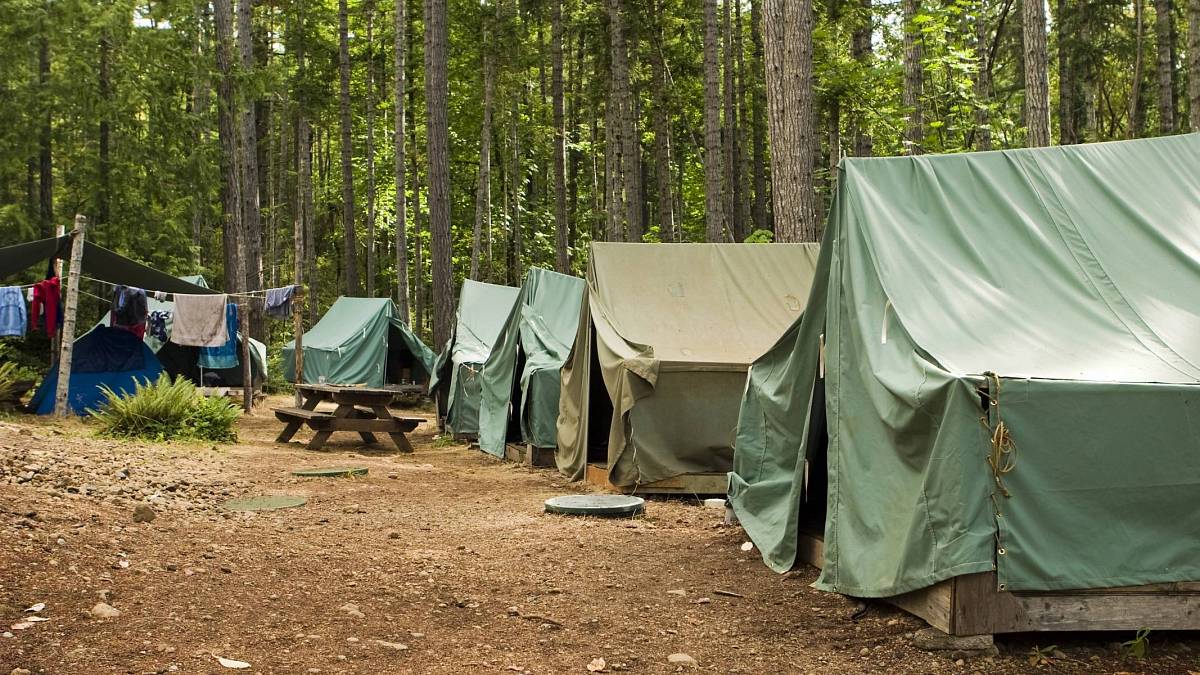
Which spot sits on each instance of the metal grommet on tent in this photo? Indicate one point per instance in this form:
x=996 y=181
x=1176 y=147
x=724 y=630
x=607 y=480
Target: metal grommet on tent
x=1001 y=550
x=596 y=505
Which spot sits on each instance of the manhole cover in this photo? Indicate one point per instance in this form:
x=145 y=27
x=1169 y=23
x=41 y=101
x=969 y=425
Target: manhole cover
x=596 y=505
x=334 y=472
x=265 y=503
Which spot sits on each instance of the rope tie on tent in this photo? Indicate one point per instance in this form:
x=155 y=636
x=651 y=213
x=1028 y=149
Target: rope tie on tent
x=1002 y=456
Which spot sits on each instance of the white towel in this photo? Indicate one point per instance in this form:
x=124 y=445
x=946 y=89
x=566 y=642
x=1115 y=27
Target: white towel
x=199 y=321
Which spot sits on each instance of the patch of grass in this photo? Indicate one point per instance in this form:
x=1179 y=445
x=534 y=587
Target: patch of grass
x=166 y=410
x=445 y=441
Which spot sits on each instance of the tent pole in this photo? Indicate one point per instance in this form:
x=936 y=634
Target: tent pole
x=298 y=328
x=247 y=371
x=68 y=328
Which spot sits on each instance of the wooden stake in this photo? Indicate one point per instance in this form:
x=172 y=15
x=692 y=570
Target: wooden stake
x=247 y=371
x=61 y=409
x=298 y=327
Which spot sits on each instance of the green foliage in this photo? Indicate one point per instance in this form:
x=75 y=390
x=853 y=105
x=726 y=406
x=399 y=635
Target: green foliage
x=1139 y=646
x=167 y=410
x=27 y=357
x=1042 y=656
x=760 y=237
x=275 y=383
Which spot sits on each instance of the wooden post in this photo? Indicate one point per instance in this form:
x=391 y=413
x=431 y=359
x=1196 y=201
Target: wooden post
x=247 y=370
x=298 y=327
x=56 y=340
x=61 y=409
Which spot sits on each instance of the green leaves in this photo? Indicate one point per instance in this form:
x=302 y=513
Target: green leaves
x=166 y=410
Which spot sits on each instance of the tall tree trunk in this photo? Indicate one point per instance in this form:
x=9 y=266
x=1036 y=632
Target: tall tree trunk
x=371 y=261
x=400 y=27
x=983 y=76
x=914 y=126
x=661 y=122
x=1194 y=63
x=862 y=51
x=788 y=28
x=516 y=184
x=1037 y=87
x=1068 y=90
x=729 y=124
x=1136 y=117
x=104 y=196
x=1164 y=42
x=419 y=292
x=231 y=203
x=350 y=245
x=630 y=148
x=483 y=185
x=200 y=112
x=741 y=158
x=310 y=235
x=758 y=124
x=714 y=221
x=251 y=230
x=562 y=257
x=437 y=91
x=614 y=228
x=45 y=165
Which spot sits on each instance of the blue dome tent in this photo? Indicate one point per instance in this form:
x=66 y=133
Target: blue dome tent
x=105 y=356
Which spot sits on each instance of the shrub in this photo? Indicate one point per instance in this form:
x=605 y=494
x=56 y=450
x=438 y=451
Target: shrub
x=167 y=410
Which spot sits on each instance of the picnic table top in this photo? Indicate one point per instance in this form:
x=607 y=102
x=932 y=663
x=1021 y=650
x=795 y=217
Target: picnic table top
x=345 y=388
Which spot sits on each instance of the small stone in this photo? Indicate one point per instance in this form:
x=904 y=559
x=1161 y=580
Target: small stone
x=105 y=595
x=703 y=601
x=143 y=514
x=393 y=475
x=677 y=591
x=393 y=535
x=960 y=663
x=351 y=639
x=682 y=659
x=352 y=610
x=171 y=567
x=865 y=651
x=104 y=611
x=893 y=622
x=20 y=671
x=226 y=569
x=392 y=645
x=6 y=634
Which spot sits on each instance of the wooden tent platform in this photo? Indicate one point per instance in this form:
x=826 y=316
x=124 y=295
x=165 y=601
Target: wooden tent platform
x=523 y=453
x=687 y=484
x=971 y=604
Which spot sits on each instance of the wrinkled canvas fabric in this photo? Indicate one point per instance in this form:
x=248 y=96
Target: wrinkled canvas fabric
x=1073 y=275
x=672 y=328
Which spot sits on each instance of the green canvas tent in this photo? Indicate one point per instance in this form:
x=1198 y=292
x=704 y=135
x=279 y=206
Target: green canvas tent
x=482 y=312
x=652 y=386
x=520 y=382
x=997 y=370
x=360 y=341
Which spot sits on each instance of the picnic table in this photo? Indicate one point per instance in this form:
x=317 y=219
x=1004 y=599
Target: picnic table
x=360 y=409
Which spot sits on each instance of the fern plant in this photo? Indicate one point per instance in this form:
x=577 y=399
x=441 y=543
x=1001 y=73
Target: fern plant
x=165 y=410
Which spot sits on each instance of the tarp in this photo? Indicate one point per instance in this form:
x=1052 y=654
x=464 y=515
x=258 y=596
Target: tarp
x=180 y=360
x=360 y=341
x=111 y=357
x=520 y=381
x=98 y=262
x=1073 y=274
x=482 y=312
x=652 y=386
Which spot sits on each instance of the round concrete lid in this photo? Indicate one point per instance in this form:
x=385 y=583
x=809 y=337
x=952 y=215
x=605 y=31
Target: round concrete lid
x=265 y=503
x=332 y=472
x=596 y=505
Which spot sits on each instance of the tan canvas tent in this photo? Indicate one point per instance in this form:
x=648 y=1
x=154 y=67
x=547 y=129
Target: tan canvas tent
x=652 y=387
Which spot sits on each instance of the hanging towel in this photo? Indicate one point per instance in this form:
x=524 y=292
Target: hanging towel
x=279 y=302
x=46 y=309
x=199 y=321
x=225 y=356
x=12 y=311
x=129 y=306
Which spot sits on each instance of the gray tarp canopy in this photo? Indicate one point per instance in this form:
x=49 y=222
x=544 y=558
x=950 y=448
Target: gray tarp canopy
x=670 y=330
x=521 y=376
x=1055 y=291
x=98 y=262
x=482 y=312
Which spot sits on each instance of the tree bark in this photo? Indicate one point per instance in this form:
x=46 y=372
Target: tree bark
x=437 y=91
x=729 y=206
x=350 y=245
x=1136 y=117
x=562 y=257
x=788 y=28
x=758 y=124
x=1037 y=87
x=1194 y=63
x=231 y=203
x=371 y=261
x=1068 y=92
x=251 y=230
x=483 y=186
x=614 y=227
x=714 y=221
x=1164 y=42
x=105 y=167
x=630 y=148
x=45 y=163
x=400 y=40
x=983 y=77
x=662 y=131
x=914 y=126
x=862 y=51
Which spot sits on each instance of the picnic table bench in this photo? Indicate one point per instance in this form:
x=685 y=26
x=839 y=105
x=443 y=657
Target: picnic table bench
x=360 y=409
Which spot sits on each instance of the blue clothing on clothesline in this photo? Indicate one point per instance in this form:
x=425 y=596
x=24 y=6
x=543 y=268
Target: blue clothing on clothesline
x=225 y=356
x=156 y=325
x=279 y=302
x=13 y=317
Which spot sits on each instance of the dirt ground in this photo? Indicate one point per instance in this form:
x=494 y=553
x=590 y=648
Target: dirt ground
x=437 y=562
